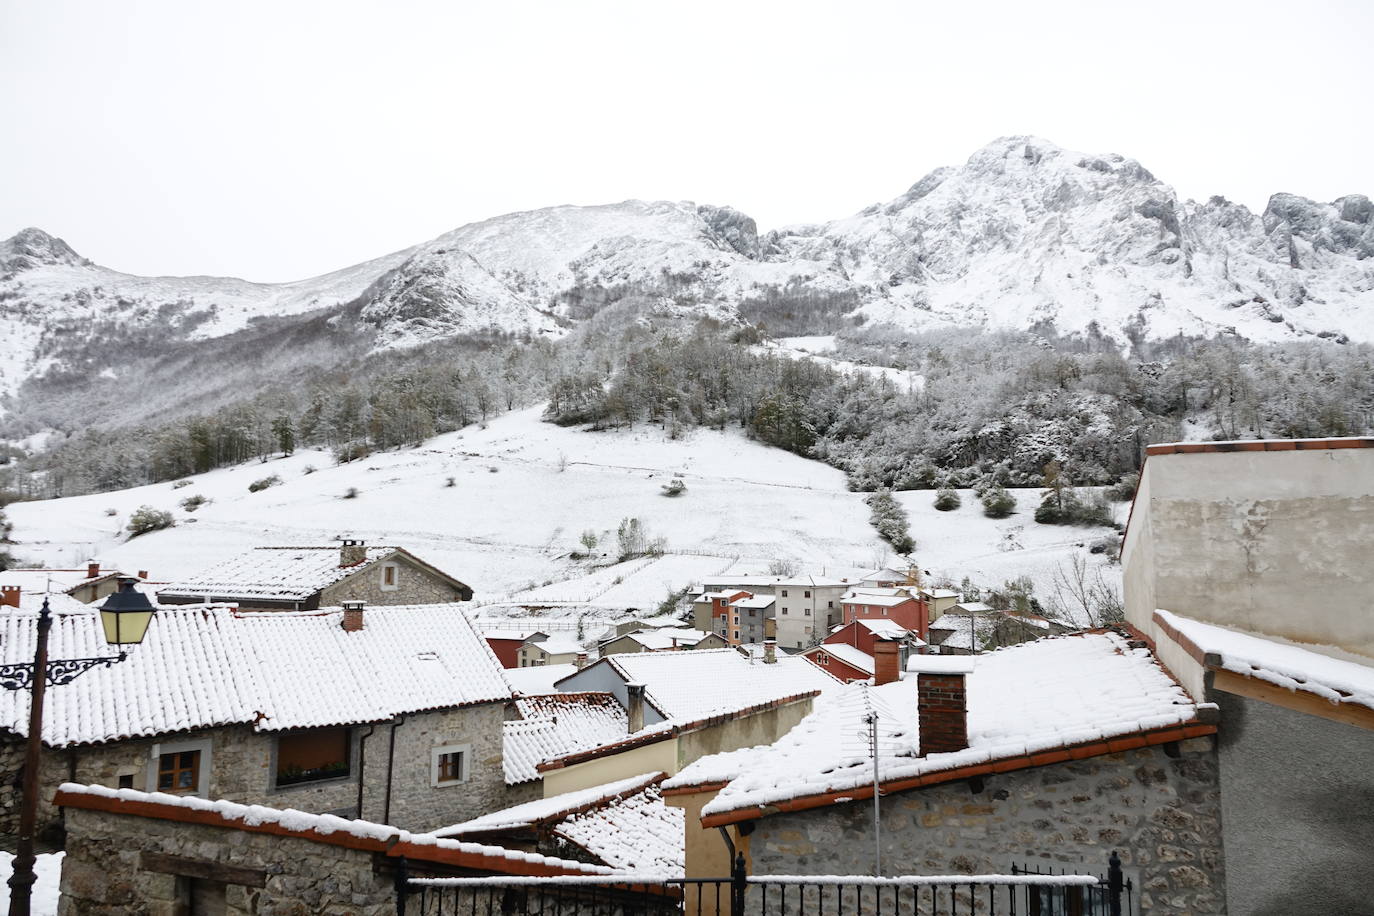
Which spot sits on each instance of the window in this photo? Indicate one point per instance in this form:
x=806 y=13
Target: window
x=448 y=765
x=806 y=594
x=830 y=604
x=784 y=593
x=314 y=755
x=737 y=634
x=126 y=780
x=784 y=610
x=178 y=772
x=807 y=612
x=825 y=659
x=391 y=575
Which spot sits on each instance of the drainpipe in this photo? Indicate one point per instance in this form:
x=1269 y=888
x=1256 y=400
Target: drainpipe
x=362 y=766
x=390 y=766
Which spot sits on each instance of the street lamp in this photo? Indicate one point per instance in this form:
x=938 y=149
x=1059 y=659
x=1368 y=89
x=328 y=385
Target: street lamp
x=124 y=617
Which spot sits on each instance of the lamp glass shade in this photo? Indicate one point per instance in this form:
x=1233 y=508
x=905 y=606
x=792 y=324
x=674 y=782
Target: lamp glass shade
x=125 y=615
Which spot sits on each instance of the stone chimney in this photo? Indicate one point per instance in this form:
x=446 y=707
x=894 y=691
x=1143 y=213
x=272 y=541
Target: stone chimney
x=352 y=616
x=942 y=702
x=886 y=661
x=9 y=596
x=770 y=651
x=770 y=628
x=581 y=660
x=635 y=706
x=352 y=553
x=92 y=569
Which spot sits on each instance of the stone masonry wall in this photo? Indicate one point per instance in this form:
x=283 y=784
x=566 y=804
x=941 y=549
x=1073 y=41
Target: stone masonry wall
x=413 y=586
x=1161 y=813
x=106 y=871
x=242 y=770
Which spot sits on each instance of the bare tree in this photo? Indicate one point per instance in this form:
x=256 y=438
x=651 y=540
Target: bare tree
x=1083 y=595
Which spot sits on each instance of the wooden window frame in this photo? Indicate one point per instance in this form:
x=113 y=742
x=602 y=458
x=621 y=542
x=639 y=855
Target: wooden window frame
x=436 y=765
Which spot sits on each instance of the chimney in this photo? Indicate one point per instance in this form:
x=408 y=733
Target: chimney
x=770 y=651
x=92 y=569
x=635 y=706
x=770 y=628
x=942 y=702
x=9 y=596
x=143 y=574
x=352 y=553
x=352 y=616
x=581 y=660
x=886 y=664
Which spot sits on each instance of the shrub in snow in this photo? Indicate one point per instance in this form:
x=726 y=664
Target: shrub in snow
x=1068 y=507
x=450 y=482
x=181 y=483
x=308 y=469
x=350 y=493
x=146 y=519
x=192 y=503
x=264 y=483
x=946 y=500
x=111 y=512
x=782 y=567
x=675 y=487
x=351 y=451
x=889 y=519
x=998 y=503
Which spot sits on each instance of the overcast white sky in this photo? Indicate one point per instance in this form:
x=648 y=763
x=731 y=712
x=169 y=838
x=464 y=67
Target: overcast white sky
x=276 y=141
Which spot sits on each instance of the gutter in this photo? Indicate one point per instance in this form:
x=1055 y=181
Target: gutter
x=362 y=766
x=390 y=767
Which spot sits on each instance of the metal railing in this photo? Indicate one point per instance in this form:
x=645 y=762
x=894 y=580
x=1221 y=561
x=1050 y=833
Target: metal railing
x=1024 y=892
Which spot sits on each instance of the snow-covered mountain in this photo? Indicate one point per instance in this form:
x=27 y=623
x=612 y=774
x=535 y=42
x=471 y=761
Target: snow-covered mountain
x=1023 y=233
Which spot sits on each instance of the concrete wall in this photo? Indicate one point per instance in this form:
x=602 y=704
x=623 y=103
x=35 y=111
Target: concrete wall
x=1276 y=542
x=602 y=678
x=757 y=728
x=413 y=586
x=242 y=769
x=107 y=870
x=1297 y=799
x=1162 y=814
x=659 y=757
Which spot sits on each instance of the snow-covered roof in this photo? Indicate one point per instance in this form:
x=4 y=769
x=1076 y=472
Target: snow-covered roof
x=56 y=580
x=852 y=656
x=559 y=644
x=754 y=601
x=883 y=575
x=875 y=600
x=281 y=573
x=714 y=769
x=557 y=725
x=703 y=682
x=942 y=592
x=535 y=679
x=972 y=607
x=1277 y=662
x=624 y=824
x=206 y=666
x=1040 y=696
x=882 y=627
x=666 y=638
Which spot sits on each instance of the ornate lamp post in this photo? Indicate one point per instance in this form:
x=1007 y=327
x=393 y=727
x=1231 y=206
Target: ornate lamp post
x=124 y=616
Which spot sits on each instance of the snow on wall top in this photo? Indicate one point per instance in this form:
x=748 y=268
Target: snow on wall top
x=715 y=769
x=700 y=683
x=324 y=824
x=274 y=574
x=1028 y=698
x=553 y=808
x=207 y=666
x=1283 y=664
x=557 y=725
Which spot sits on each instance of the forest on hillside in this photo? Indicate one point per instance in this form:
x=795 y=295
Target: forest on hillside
x=995 y=407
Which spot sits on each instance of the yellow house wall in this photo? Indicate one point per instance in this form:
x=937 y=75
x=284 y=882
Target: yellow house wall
x=659 y=757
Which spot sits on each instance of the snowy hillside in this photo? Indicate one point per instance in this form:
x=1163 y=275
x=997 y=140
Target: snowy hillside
x=1022 y=233
x=523 y=493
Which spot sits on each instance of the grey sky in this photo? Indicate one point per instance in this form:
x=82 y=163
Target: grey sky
x=276 y=141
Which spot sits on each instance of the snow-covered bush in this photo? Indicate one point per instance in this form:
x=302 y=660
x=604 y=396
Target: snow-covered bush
x=146 y=519
x=675 y=487
x=1124 y=489
x=192 y=503
x=889 y=519
x=947 y=500
x=181 y=483
x=263 y=483
x=998 y=503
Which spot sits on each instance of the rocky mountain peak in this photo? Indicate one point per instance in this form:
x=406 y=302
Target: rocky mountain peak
x=31 y=247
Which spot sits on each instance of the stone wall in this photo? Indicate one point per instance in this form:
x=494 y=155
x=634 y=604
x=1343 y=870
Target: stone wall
x=242 y=769
x=413 y=586
x=125 y=865
x=1161 y=813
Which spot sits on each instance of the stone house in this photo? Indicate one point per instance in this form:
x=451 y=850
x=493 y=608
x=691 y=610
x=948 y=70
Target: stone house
x=555 y=725
x=1247 y=570
x=394 y=714
x=306 y=578
x=1069 y=748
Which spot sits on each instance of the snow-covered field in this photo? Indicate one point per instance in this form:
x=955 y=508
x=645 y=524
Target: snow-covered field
x=523 y=493
x=816 y=348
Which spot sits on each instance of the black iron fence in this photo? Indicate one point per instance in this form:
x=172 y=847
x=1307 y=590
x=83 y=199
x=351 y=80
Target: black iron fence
x=1024 y=892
